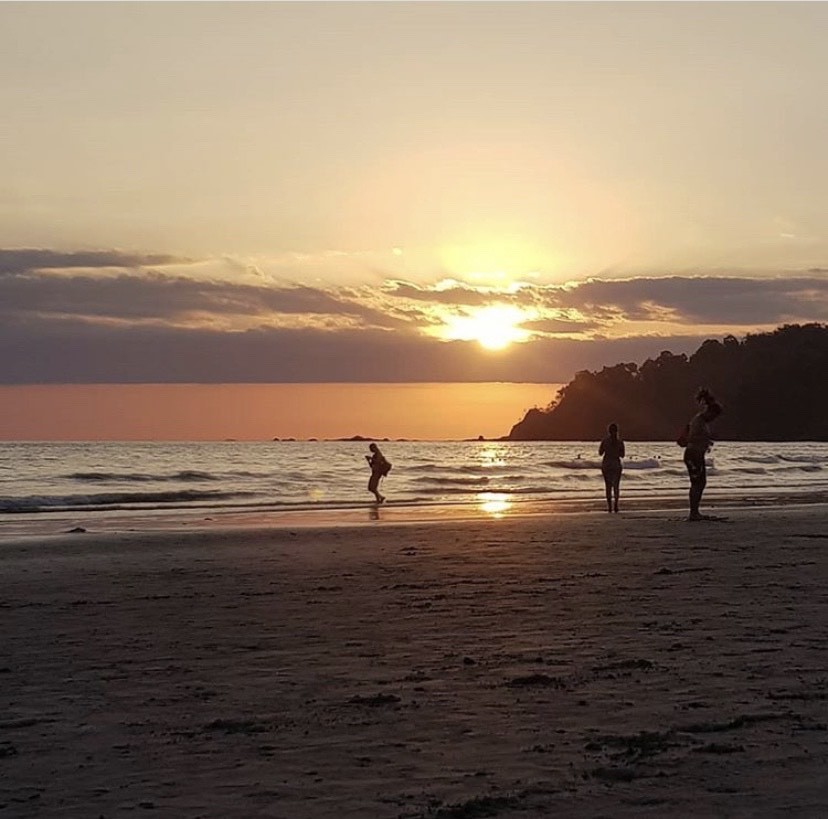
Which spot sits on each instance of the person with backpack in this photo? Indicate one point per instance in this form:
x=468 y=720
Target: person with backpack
x=612 y=448
x=380 y=467
x=697 y=439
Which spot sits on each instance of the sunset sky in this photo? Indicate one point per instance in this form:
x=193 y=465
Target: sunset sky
x=401 y=192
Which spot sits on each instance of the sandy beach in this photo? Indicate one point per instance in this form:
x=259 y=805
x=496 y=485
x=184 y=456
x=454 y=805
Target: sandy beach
x=583 y=665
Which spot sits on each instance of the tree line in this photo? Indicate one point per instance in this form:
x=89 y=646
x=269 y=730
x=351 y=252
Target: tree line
x=773 y=385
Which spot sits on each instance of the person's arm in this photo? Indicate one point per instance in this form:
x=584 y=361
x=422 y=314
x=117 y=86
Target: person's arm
x=603 y=447
x=622 y=452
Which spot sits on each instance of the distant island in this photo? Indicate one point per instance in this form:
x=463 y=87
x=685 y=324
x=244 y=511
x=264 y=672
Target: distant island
x=774 y=387
x=349 y=439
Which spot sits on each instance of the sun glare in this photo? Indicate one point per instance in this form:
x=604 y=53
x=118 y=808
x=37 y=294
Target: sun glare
x=494 y=503
x=493 y=262
x=494 y=327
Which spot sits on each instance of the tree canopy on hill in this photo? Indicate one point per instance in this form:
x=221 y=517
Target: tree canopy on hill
x=774 y=387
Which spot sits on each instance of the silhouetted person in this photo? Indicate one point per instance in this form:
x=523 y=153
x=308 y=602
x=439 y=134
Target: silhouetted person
x=612 y=448
x=697 y=441
x=379 y=469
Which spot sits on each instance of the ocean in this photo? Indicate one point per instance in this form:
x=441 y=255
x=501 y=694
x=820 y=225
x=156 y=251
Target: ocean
x=91 y=482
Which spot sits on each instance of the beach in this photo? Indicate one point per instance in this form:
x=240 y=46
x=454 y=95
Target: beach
x=584 y=665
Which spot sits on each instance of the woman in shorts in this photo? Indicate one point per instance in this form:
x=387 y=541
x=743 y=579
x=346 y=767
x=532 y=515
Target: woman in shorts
x=612 y=448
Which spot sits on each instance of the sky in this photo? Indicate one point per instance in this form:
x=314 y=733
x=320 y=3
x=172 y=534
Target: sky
x=403 y=192
x=261 y=412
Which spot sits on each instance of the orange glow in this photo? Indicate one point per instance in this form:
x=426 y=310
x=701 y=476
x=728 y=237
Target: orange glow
x=198 y=412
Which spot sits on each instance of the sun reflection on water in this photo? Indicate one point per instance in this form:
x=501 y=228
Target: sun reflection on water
x=492 y=455
x=494 y=503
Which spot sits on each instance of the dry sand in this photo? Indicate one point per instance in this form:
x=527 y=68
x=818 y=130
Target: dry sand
x=571 y=665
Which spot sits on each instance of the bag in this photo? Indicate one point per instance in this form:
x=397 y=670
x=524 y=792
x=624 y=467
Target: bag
x=683 y=435
x=385 y=469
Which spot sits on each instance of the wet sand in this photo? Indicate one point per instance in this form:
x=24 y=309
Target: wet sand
x=578 y=665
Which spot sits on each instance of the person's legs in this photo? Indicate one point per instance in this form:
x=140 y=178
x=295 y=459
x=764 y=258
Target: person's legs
x=696 y=491
x=616 y=487
x=373 y=486
x=608 y=489
x=701 y=483
x=698 y=480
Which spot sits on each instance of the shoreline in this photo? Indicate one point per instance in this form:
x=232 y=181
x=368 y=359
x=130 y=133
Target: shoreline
x=26 y=525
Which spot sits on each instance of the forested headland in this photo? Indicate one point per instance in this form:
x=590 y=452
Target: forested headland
x=774 y=387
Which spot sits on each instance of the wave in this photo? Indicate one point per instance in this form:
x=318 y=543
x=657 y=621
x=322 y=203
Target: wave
x=575 y=463
x=482 y=481
x=39 y=503
x=506 y=491
x=187 y=476
x=643 y=463
x=467 y=469
x=788 y=459
x=244 y=473
x=586 y=463
x=759 y=470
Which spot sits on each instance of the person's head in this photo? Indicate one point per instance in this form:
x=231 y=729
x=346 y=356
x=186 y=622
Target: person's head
x=372 y=447
x=612 y=429
x=709 y=405
x=704 y=396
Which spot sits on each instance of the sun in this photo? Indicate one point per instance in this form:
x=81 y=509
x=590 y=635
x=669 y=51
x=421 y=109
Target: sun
x=494 y=327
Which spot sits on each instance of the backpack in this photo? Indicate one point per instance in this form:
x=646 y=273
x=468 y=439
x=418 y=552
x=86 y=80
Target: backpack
x=683 y=434
x=386 y=468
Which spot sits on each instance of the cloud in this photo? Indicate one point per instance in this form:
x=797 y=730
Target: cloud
x=154 y=287
x=455 y=296
x=155 y=317
x=25 y=260
x=689 y=300
x=159 y=297
x=702 y=299
x=560 y=326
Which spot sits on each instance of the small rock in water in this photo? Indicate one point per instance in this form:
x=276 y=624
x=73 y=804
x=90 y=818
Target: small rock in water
x=76 y=530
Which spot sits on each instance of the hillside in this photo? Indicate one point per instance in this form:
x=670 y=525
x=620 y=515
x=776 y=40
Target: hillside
x=774 y=387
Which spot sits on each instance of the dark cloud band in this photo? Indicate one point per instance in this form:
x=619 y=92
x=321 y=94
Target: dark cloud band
x=68 y=351
x=25 y=260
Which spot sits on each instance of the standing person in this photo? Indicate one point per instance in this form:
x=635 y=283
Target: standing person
x=697 y=440
x=612 y=448
x=380 y=467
